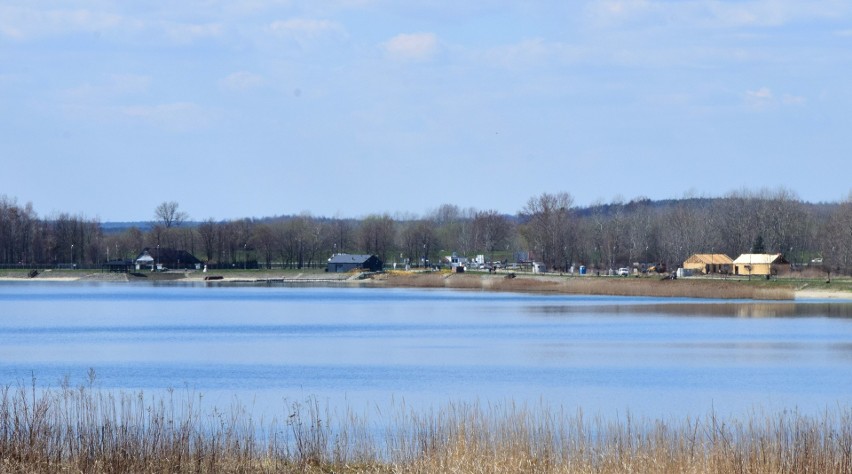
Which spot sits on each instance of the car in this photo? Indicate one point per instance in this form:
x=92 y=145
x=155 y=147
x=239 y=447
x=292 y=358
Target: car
x=623 y=271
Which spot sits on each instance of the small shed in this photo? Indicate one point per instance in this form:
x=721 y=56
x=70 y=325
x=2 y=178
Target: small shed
x=761 y=264
x=708 y=263
x=345 y=262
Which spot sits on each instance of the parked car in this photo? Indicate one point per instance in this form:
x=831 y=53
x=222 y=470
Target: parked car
x=623 y=271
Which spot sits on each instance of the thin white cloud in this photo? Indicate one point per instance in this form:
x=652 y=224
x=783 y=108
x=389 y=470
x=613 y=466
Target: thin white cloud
x=623 y=8
x=31 y=22
x=532 y=51
x=718 y=13
x=764 y=98
x=177 y=116
x=789 y=99
x=760 y=97
x=188 y=32
x=241 y=81
x=170 y=117
x=115 y=85
x=305 y=28
x=23 y=23
x=415 y=46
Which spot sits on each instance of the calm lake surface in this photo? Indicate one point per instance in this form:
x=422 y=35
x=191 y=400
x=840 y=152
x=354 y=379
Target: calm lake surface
x=373 y=347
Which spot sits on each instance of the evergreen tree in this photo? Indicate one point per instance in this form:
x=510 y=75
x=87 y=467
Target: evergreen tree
x=757 y=246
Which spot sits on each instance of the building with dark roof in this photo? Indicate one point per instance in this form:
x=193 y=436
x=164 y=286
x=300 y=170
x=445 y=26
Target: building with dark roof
x=168 y=258
x=344 y=262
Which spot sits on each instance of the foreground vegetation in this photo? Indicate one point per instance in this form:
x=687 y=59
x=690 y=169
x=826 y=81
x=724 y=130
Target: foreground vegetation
x=84 y=429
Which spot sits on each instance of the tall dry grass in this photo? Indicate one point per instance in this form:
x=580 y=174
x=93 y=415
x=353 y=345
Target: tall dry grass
x=84 y=429
x=607 y=286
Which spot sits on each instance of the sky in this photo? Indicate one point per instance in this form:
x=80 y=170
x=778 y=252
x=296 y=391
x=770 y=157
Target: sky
x=344 y=108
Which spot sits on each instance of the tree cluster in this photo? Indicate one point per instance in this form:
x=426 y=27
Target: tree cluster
x=550 y=228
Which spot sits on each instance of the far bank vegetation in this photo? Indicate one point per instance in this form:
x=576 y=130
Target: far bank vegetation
x=549 y=228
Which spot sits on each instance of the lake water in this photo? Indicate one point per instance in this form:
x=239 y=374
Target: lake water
x=372 y=347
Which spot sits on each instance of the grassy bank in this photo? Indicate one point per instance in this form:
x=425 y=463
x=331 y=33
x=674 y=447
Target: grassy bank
x=87 y=430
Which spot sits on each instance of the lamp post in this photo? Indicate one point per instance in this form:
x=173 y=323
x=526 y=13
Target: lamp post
x=245 y=255
x=72 y=256
x=158 y=257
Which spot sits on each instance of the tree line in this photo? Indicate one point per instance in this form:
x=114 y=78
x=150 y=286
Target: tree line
x=549 y=228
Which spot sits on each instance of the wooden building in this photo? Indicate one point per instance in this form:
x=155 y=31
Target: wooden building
x=760 y=264
x=708 y=263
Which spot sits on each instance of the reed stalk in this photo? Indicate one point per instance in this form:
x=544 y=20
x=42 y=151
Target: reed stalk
x=84 y=429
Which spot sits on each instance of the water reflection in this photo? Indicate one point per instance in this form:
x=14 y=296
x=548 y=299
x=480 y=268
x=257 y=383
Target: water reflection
x=732 y=310
x=360 y=346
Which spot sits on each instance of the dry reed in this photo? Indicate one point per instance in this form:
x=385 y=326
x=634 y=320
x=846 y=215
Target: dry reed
x=84 y=429
x=715 y=289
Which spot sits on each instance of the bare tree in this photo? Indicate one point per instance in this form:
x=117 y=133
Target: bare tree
x=549 y=229
x=492 y=231
x=836 y=239
x=207 y=232
x=264 y=241
x=341 y=237
x=167 y=214
x=376 y=235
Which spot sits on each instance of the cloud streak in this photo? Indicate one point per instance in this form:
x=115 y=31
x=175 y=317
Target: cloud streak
x=412 y=47
x=22 y=23
x=241 y=81
x=763 y=98
x=715 y=14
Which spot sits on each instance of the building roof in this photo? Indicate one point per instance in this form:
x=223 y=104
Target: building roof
x=759 y=259
x=150 y=254
x=349 y=258
x=710 y=259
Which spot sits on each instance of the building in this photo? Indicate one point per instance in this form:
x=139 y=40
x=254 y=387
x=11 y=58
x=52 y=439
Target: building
x=455 y=262
x=708 y=263
x=760 y=264
x=344 y=262
x=163 y=258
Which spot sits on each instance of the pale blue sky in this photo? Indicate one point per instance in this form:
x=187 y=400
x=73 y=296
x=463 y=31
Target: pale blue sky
x=350 y=107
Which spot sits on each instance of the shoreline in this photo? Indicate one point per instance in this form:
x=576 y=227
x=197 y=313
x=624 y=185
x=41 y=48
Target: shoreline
x=781 y=290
